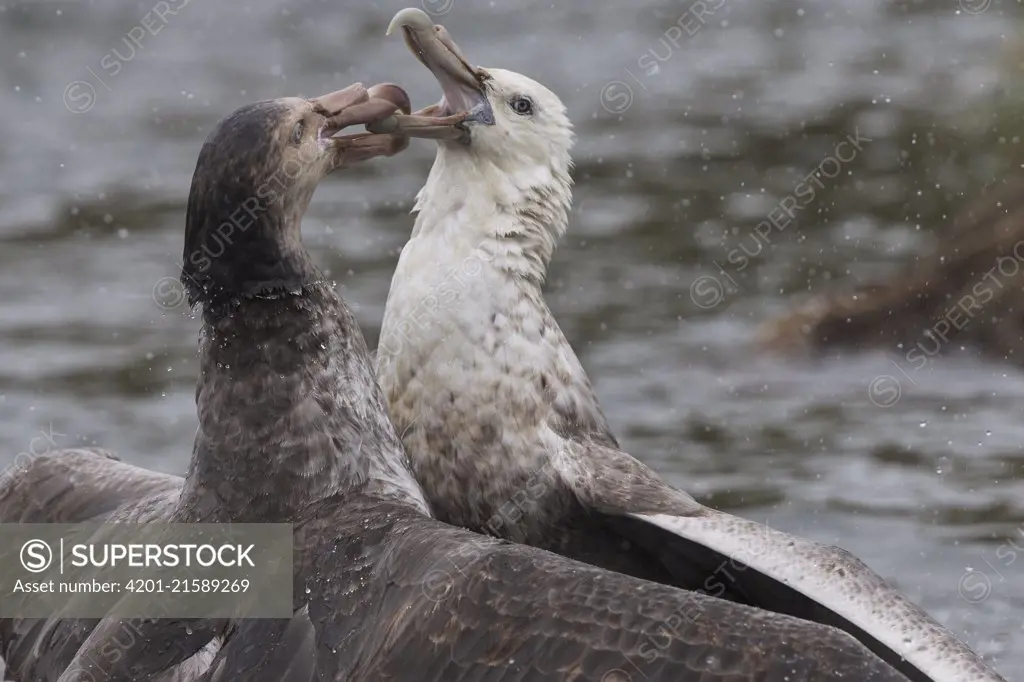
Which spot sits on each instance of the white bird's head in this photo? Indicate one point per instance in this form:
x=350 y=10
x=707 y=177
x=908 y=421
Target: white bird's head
x=509 y=154
x=523 y=124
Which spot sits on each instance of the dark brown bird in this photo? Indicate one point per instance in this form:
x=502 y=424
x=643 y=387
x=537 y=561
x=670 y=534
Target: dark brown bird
x=255 y=176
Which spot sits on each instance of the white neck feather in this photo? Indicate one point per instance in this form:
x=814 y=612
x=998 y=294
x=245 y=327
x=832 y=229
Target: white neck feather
x=512 y=211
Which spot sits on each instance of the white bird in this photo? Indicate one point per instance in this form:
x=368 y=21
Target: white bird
x=501 y=422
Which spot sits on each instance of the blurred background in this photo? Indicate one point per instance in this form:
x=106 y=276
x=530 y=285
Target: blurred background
x=695 y=121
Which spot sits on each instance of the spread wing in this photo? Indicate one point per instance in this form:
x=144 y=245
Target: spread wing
x=72 y=486
x=392 y=595
x=515 y=613
x=772 y=569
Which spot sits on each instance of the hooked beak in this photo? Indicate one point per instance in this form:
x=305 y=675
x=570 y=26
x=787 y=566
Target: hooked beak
x=465 y=96
x=356 y=105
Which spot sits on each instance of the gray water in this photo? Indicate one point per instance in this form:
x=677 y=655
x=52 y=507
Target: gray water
x=920 y=473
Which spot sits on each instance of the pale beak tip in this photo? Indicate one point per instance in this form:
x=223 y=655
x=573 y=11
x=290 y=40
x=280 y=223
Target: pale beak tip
x=413 y=17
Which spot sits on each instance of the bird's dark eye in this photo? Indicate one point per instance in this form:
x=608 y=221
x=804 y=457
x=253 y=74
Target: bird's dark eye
x=297 y=132
x=521 y=105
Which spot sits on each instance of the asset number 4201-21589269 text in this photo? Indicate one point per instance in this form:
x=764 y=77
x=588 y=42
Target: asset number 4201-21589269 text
x=189 y=585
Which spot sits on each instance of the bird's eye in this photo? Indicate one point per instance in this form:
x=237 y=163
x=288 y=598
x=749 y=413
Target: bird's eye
x=521 y=105
x=297 y=132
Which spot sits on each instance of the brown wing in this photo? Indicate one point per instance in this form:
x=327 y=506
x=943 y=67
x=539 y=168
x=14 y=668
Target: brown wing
x=771 y=569
x=71 y=486
x=156 y=650
x=278 y=650
x=400 y=597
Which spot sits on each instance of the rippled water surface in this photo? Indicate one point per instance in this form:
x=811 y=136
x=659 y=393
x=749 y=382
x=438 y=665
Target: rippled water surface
x=688 y=139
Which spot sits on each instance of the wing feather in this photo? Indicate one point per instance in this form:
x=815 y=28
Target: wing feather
x=278 y=650
x=616 y=484
x=394 y=595
x=74 y=486
x=512 y=612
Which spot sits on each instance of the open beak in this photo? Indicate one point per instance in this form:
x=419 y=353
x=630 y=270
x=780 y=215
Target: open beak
x=465 y=96
x=355 y=105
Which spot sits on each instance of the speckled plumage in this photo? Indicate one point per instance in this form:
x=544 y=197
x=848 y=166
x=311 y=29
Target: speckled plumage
x=395 y=595
x=467 y=343
x=228 y=266
x=506 y=435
